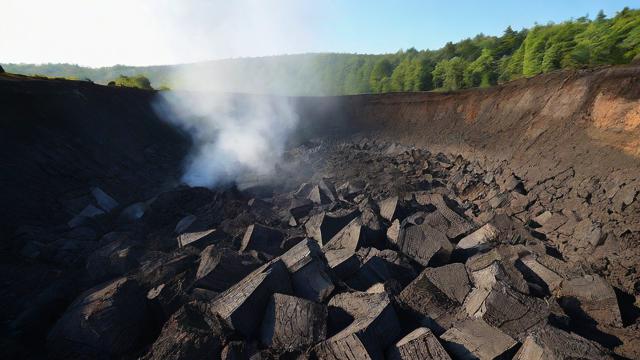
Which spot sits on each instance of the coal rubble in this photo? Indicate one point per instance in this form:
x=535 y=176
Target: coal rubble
x=377 y=251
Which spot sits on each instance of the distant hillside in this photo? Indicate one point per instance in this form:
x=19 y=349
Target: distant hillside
x=99 y=75
x=479 y=61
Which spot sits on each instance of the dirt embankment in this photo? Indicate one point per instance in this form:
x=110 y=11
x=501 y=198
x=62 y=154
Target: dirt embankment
x=588 y=120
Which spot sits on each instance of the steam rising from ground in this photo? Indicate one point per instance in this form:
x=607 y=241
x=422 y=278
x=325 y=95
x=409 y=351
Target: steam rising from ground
x=235 y=135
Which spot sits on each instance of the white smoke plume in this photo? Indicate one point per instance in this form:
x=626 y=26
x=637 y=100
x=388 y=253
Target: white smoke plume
x=235 y=135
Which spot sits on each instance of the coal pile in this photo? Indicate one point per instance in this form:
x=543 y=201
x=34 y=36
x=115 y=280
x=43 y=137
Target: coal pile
x=361 y=250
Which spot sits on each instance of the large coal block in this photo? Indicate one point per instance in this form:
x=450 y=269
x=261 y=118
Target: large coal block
x=242 y=306
x=292 y=323
x=106 y=321
x=188 y=334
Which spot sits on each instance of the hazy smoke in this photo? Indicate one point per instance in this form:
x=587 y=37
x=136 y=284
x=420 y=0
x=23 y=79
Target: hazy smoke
x=235 y=135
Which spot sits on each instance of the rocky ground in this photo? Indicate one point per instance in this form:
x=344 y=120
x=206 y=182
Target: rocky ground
x=358 y=250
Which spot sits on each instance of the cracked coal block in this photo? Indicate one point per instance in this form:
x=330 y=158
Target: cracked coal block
x=324 y=226
x=479 y=239
x=544 y=270
x=591 y=297
x=110 y=319
x=188 y=334
x=343 y=262
x=242 y=306
x=552 y=343
x=115 y=258
x=419 y=344
x=291 y=323
x=391 y=209
x=513 y=313
x=451 y=279
x=221 y=268
x=458 y=225
x=499 y=264
x=262 y=238
x=475 y=339
x=238 y=350
x=373 y=270
x=423 y=298
x=351 y=237
x=424 y=244
x=373 y=328
x=309 y=271
x=299 y=208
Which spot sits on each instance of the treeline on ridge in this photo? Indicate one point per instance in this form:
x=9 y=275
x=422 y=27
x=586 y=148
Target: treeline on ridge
x=475 y=62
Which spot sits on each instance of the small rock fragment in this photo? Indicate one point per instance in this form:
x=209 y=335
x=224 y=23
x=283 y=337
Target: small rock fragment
x=184 y=224
x=199 y=238
x=105 y=202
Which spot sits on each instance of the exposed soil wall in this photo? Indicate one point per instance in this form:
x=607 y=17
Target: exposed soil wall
x=588 y=120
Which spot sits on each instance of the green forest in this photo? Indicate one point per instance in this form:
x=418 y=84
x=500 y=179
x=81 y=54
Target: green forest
x=480 y=61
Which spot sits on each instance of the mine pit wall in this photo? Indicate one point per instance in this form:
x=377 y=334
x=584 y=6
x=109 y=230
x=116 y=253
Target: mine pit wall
x=59 y=138
x=572 y=137
x=588 y=120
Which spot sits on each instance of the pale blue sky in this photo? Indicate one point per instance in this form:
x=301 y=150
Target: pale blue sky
x=383 y=26
x=148 y=32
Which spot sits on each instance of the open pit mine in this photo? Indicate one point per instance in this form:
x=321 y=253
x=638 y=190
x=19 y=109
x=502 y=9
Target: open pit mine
x=499 y=223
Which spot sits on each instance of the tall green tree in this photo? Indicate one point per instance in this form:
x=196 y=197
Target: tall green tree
x=449 y=74
x=481 y=72
x=380 y=78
